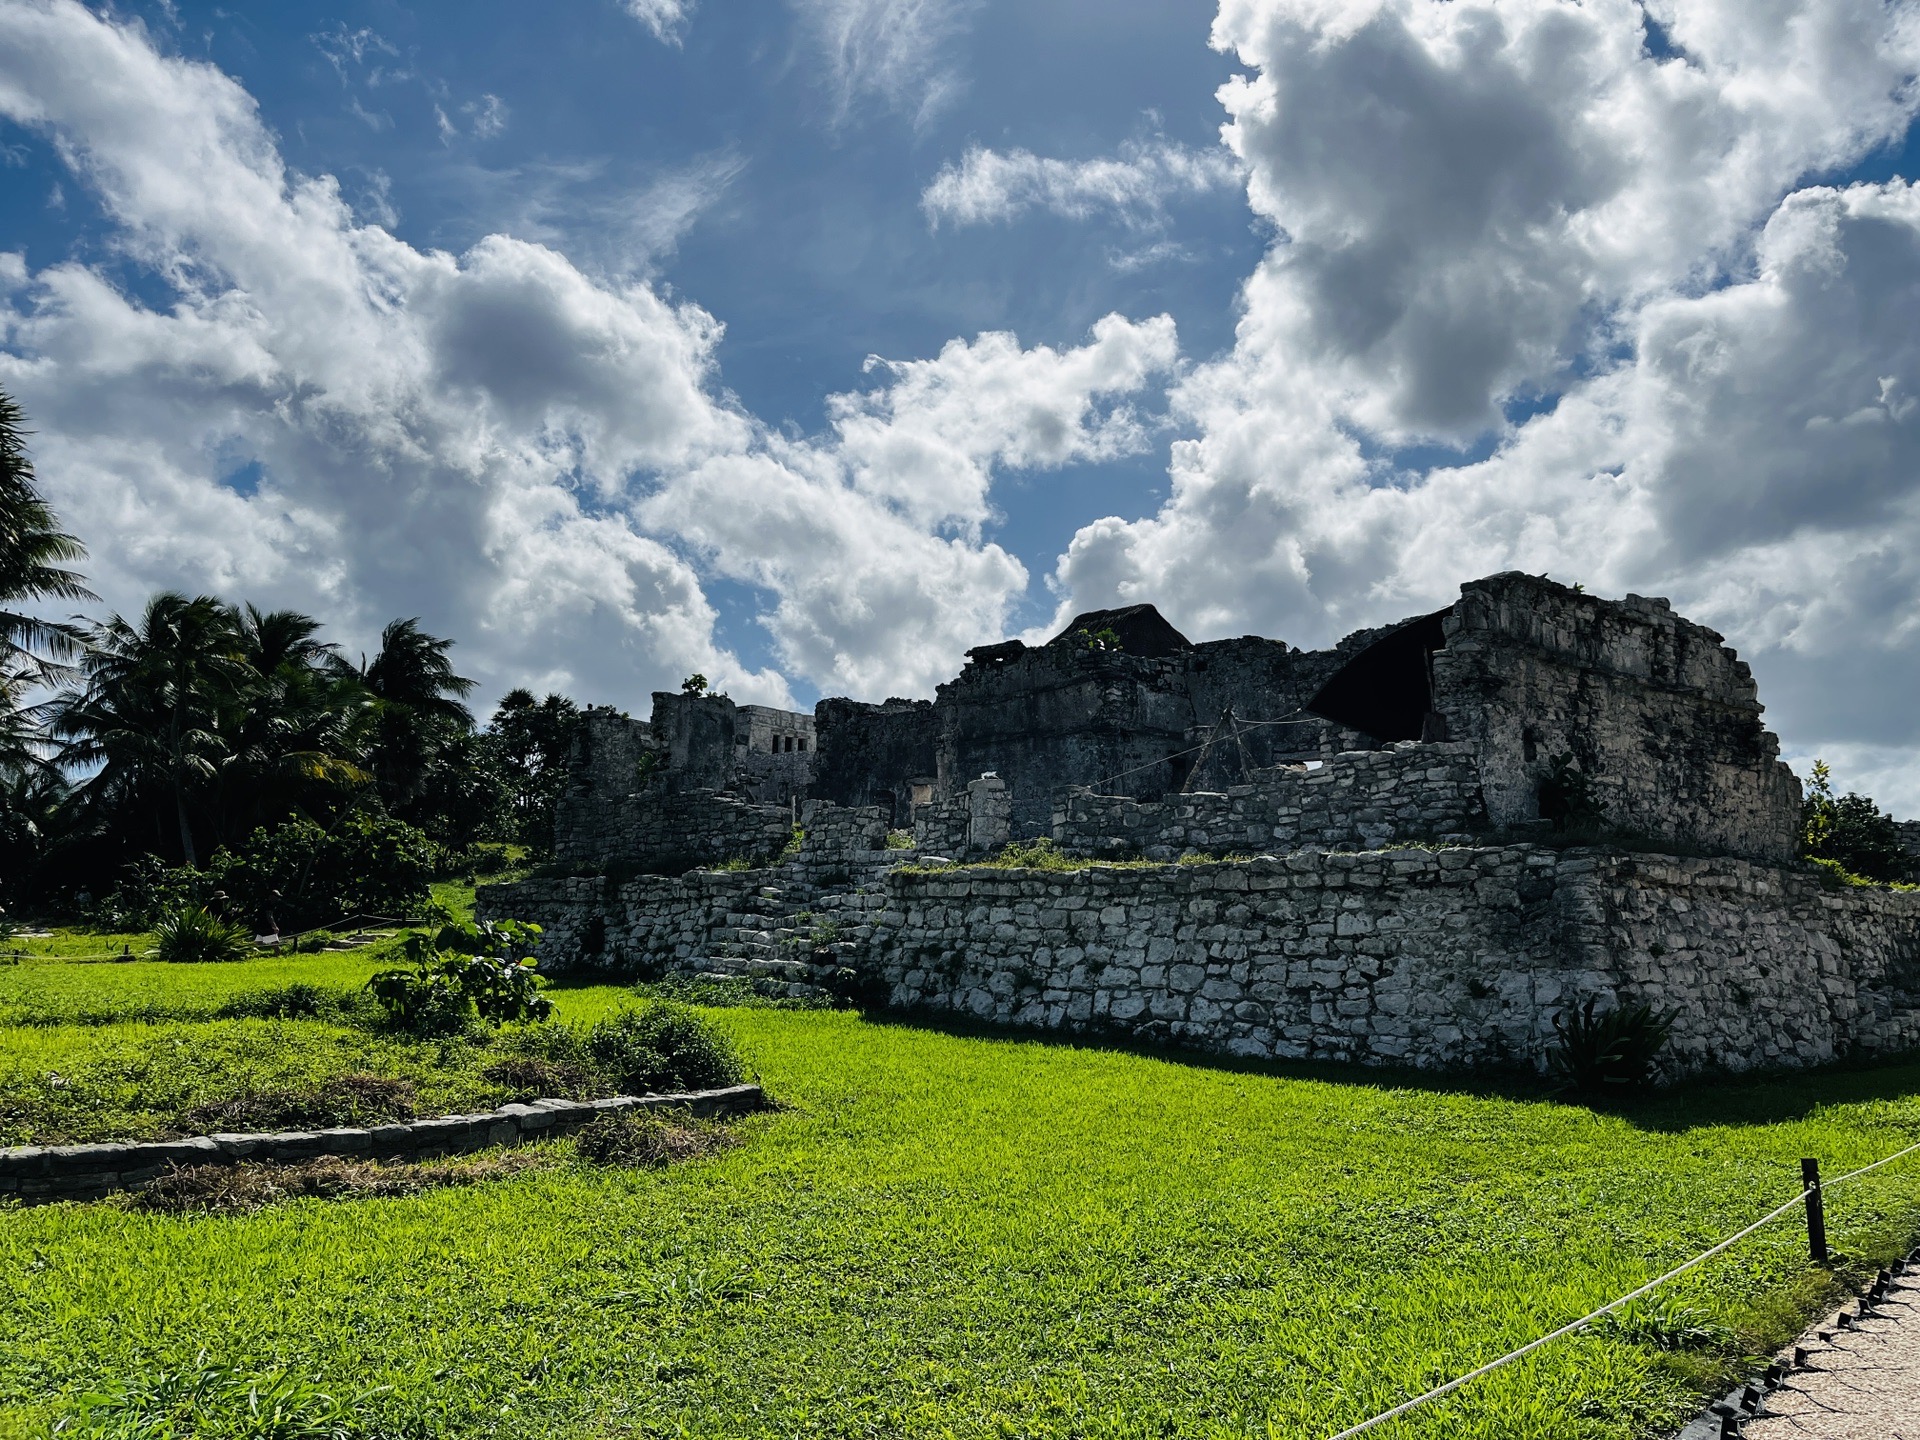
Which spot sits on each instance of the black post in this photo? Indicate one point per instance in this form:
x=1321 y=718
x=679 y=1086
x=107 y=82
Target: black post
x=1816 y=1212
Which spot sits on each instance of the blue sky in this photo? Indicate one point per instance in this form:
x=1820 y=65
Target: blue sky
x=557 y=333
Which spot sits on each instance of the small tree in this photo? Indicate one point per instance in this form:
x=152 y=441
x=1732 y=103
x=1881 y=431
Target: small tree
x=463 y=974
x=695 y=684
x=1851 y=832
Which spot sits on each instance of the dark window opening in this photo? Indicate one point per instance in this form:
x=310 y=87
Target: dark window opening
x=1180 y=767
x=1386 y=690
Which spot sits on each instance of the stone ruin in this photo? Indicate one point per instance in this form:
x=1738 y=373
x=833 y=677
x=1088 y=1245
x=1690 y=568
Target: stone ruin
x=1417 y=848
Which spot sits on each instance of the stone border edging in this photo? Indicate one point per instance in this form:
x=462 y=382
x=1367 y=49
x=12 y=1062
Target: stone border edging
x=39 y=1174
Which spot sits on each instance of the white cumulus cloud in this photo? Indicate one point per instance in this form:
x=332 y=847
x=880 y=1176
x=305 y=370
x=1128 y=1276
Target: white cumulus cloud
x=535 y=459
x=1534 y=231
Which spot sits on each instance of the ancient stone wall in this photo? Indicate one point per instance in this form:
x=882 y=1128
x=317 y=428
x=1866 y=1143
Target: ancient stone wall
x=1662 y=716
x=1357 y=800
x=613 y=757
x=1264 y=681
x=654 y=924
x=664 y=831
x=943 y=826
x=1046 y=718
x=645 y=925
x=875 y=754
x=700 y=734
x=1451 y=959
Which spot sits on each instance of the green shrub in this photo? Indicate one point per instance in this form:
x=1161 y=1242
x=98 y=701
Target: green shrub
x=194 y=934
x=463 y=974
x=660 y=1047
x=1850 y=837
x=899 y=840
x=854 y=989
x=298 y=876
x=1608 y=1054
x=147 y=890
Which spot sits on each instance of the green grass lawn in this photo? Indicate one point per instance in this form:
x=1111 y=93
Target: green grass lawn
x=944 y=1234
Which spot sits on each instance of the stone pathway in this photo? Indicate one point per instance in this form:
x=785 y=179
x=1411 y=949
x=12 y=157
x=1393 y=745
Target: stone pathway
x=1861 y=1383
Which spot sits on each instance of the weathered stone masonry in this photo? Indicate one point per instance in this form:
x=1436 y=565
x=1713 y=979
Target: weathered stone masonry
x=1438 y=959
x=1464 y=735
x=1354 y=801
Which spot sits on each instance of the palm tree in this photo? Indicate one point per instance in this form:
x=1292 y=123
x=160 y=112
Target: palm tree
x=32 y=547
x=148 y=715
x=290 y=732
x=18 y=732
x=416 y=709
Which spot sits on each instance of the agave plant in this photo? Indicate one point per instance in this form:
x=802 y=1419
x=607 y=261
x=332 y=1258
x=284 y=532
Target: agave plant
x=193 y=933
x=1599 y=1054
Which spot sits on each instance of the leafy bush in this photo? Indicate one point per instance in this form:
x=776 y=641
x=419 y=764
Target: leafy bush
x=148 y=889
x=629 y=1137
x=1850 y=836
x=853 y=989
x=899 y=840
x=661 y=1047
x=195 y=934
x=463 y=974
x=1611 y=1053
x=298 y=876
x=209 y=1400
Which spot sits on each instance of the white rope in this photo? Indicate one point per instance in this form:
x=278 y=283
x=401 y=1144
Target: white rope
x=1856 y=1174
x=1153 y=764
x=1588 y=1319
x=1580 y=1324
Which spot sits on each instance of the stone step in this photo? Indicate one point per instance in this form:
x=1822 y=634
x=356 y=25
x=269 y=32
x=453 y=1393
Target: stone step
x=741 y=966
x=777 y=989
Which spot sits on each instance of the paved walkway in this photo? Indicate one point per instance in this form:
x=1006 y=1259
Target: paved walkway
x=1862 y=1384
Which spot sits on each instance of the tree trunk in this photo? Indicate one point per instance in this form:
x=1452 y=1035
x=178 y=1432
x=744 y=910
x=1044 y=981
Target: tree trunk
x=186 y=830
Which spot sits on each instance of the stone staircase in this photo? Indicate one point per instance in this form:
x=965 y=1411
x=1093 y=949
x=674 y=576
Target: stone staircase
x=791 y=939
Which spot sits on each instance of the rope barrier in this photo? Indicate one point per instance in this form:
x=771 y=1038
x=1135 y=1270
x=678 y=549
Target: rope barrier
x=1153 y=764
x=1856 y=1174
x=367 y=922
x=1585 y=1320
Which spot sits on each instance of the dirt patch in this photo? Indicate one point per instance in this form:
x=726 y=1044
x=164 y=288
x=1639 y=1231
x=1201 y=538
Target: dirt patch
x=531 y=1077
x=239 y=1189
x=650 y=1140
x=359 y=1100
